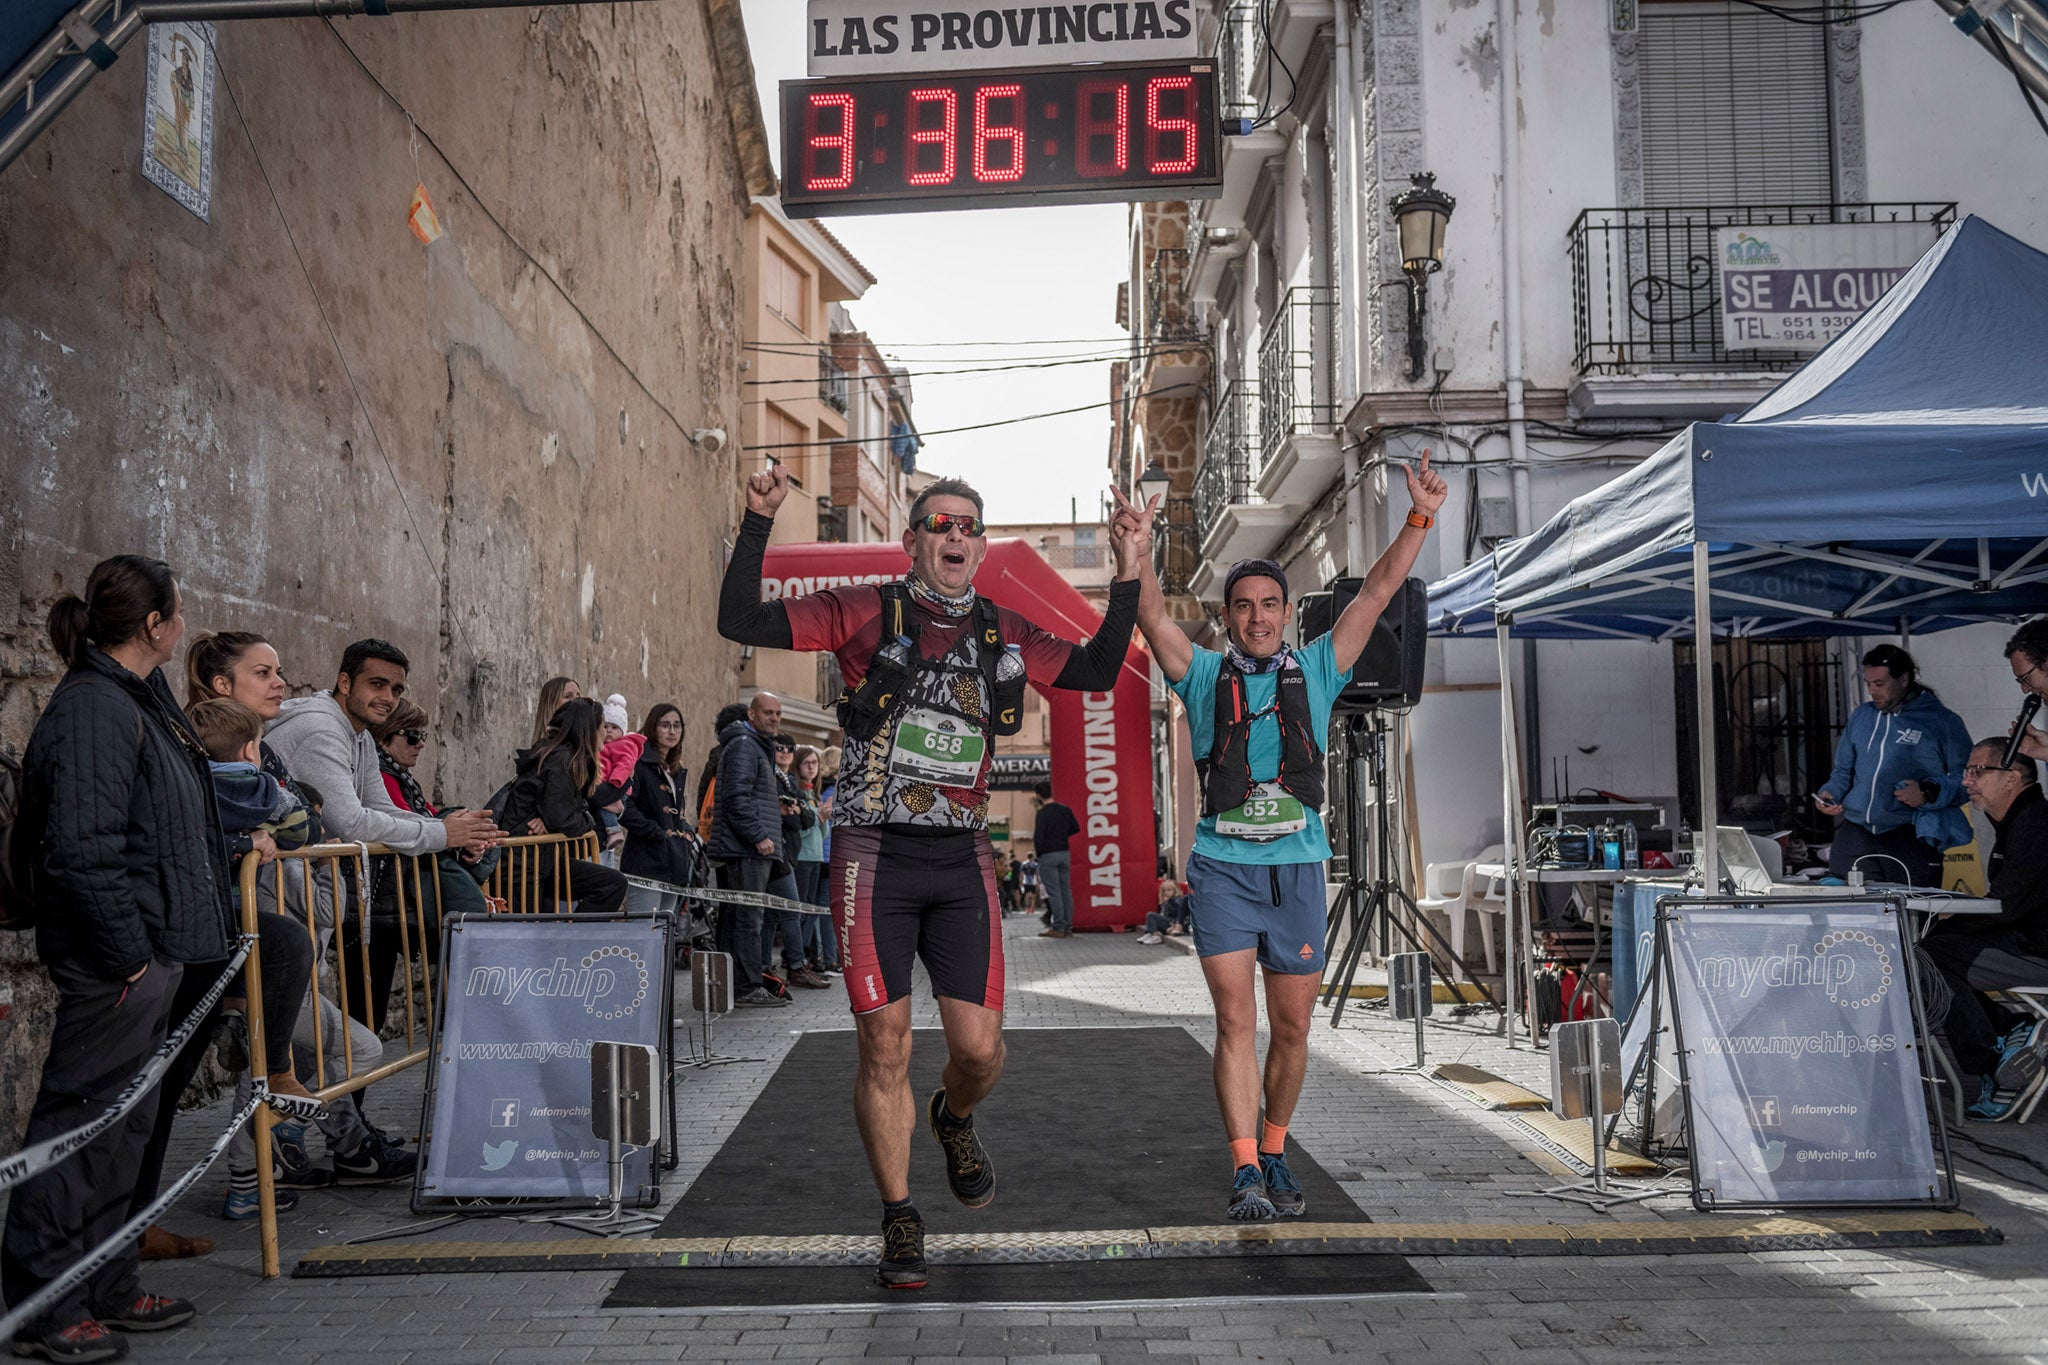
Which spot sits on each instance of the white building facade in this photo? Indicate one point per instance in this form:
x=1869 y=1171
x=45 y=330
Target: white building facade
x=1592 y=146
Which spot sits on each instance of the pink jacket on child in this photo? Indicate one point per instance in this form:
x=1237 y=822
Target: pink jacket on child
x=615 y=761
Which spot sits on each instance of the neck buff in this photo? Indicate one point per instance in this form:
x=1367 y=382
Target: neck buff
x=934 y=601
x=1245 y=663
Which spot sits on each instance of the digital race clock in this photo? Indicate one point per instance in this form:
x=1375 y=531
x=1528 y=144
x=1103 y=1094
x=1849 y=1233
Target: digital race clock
x=1051 y=135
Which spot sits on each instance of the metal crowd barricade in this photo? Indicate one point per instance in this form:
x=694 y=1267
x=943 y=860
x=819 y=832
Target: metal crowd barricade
x=332 y=867
x=532 y=876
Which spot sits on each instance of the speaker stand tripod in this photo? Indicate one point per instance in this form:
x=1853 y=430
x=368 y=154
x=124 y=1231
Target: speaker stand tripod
x=1362 y=904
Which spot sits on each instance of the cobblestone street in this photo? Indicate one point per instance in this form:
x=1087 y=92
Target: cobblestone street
x=1405 y=1147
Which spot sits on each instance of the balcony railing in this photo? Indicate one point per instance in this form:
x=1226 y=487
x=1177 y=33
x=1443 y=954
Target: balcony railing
x=1169 y=318
x=833 y=384
x=1297 y=368
x=1237 y=55
x=1646 y=295
x=1071 y=557
x=1224 y=477
x=1176 y=549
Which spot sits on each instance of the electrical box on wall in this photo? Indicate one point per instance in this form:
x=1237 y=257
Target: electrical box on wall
x=1496 y=519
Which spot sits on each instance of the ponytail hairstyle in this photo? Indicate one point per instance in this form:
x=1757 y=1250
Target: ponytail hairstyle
x=121 y=595
x=574 y=730
x=1899 y=664
x=214 y=655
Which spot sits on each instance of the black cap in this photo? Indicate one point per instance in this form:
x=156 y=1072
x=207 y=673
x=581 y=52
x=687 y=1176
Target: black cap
x=1254 y=568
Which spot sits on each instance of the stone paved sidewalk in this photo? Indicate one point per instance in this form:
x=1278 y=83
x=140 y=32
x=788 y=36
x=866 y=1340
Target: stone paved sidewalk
x=1406 y=1148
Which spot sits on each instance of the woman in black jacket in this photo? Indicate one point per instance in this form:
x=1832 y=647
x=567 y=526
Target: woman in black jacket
x=661 y=837
x=558 y=785
x=127 y=876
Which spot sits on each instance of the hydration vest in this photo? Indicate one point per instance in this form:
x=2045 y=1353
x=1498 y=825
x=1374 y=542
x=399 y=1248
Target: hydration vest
x=1227 y=772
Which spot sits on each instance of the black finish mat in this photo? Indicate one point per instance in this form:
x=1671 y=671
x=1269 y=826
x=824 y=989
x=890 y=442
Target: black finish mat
x=1089 y=1129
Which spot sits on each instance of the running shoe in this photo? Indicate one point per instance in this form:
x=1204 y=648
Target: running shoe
x=1995 y=1102
x=902 y=1265
x=291 y=1164
x=1248 y=1201
x=2020 y=1055
x=375 y=1164
x=1283 y=1191
x=150 y=1313
x=1148 y=939
x=84 y=1341
x=968 y=1168
x=241 y=1204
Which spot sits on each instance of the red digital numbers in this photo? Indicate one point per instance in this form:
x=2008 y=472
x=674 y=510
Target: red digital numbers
x=1009 y=133
x=1158 y=128
x=817 y=140
x=1102 y=113
x=917 y=169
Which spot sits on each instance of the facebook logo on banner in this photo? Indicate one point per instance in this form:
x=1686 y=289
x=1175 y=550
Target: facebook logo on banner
x=1764 y=1111
x=504 y=1113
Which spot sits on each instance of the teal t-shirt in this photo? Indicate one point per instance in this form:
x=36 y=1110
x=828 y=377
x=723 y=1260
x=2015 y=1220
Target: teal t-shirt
x=1197 y=691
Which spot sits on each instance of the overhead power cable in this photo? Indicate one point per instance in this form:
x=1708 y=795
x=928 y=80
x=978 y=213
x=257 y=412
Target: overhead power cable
x=943 y=431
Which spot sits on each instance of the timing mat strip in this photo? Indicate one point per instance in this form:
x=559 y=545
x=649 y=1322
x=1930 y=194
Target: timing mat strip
x=1677 y=1237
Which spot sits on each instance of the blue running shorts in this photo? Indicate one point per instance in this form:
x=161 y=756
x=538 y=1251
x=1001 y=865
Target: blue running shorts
x=1278 y=908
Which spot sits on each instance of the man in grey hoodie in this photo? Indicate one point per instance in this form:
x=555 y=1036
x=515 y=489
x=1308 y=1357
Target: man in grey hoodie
x=325 y=740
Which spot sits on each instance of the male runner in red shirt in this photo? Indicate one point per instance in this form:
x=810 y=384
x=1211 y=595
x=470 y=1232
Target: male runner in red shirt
x=912 y=874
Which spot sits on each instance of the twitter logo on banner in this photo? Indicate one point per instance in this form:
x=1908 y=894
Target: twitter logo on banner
x=498 y=1155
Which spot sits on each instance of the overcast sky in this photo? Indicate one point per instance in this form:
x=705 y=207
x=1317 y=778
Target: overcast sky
x=952 y=284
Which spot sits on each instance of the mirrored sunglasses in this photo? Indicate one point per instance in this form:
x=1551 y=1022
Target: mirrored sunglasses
x=414 y=736
x=938 y=523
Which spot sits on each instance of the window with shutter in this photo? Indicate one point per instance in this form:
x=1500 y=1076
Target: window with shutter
x=1734 y=107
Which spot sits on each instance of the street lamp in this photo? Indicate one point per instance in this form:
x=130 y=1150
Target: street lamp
x=1155 y=480
x=1420 y=213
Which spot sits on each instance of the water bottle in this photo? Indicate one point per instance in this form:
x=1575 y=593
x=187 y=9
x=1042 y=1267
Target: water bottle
x=897 y=652
x=1631 y=854
x=1610 y=847
x=1009 y=699
x=1011 y=666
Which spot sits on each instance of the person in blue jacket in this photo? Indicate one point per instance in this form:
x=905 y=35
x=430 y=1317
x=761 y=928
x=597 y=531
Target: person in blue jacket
x=1897 y=783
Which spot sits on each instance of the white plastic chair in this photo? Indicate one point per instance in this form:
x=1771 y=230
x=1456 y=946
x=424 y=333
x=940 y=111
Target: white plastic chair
x=1482 y=895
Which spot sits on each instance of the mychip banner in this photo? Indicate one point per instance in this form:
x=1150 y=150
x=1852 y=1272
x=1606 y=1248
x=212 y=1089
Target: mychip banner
x=1802 y=1063
x=525 y=997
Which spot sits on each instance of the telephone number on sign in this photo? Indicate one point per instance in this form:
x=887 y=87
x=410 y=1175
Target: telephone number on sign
x=1808 y=326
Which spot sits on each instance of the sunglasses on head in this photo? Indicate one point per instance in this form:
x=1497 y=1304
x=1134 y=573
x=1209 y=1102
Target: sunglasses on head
x=938 y=523
x=414 y=736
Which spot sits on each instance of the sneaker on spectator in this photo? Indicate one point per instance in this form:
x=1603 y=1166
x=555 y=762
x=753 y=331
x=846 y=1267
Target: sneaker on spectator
x=2021 y=1055
x=149 y=1313
x=758 y=999
x=809 y=980
x=375 y=1164
x=1150 y=938
x=291 y=1164
x=83 y=1341
x=1995 y=1102
x=241 y=1204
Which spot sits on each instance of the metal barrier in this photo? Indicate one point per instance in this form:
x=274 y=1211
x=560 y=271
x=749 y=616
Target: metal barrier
x=532 y=878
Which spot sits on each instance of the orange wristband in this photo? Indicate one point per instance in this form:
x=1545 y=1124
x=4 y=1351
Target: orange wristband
x=1420 y=520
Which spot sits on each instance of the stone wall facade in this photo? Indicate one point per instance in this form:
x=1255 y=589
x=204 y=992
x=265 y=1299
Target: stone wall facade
x=478 y=448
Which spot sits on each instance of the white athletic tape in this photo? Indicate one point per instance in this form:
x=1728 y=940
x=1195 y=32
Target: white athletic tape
x=34 y=1304
x=32 y=1160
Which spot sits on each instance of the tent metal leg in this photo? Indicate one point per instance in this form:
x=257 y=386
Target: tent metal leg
x=1511 y=835
x=1703 y=684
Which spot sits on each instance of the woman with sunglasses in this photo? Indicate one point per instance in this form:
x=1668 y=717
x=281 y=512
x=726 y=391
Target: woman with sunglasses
x=912 y=870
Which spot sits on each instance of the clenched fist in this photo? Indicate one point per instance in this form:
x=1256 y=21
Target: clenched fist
x=767 y=489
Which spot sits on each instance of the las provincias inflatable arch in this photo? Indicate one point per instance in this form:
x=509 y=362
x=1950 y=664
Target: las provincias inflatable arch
x=1101 y=741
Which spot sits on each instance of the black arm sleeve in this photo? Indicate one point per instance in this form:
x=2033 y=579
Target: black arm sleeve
x=1091 y=667
x=742 y=616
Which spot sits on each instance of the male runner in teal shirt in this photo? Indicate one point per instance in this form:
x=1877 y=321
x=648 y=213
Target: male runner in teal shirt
x=1258 y=715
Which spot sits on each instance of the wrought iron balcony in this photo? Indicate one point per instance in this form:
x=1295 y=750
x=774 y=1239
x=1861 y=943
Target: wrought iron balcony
x=1176 y=548
x=1646 y=296
x=1237 y=56
x=1224 y=476
x=1297 y=368
x=833 y=383
x=1169 y=315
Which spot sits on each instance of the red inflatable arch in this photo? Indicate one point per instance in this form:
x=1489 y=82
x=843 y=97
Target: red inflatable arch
x=1101 y=741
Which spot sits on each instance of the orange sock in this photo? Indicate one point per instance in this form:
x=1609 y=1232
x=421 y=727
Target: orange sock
x=1273 y=1138
x=1243 y=1152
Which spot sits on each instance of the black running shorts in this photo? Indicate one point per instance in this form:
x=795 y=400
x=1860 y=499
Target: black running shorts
x=930 y=894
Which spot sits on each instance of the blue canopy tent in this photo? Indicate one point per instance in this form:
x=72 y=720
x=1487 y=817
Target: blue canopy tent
x=1896 y=482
